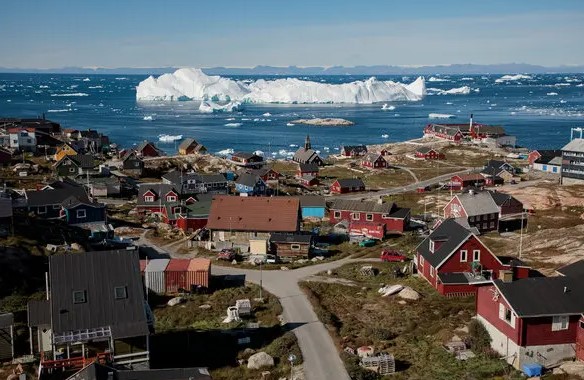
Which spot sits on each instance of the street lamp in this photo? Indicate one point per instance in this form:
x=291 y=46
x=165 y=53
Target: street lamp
x=291 y=359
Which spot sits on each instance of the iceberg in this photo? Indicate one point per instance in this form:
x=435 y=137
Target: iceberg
x=225 y=152
x=440 y=116
x=507 y=78
x=148 y=118
x=387 y=107
x=169 y=138
x=212 y=107
x=464 y=90
x=434 y=79
x=552 y=94
x=233 y=125
x=189 y=83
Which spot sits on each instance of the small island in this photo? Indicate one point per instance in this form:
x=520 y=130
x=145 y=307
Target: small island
x=325 y=122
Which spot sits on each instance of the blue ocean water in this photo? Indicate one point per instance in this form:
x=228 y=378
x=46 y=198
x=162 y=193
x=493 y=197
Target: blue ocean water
x=539 y=111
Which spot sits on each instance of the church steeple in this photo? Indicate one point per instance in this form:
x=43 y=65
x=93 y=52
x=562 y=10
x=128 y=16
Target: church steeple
x=307 y=143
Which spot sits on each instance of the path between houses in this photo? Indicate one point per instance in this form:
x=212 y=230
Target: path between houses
x=320 y=355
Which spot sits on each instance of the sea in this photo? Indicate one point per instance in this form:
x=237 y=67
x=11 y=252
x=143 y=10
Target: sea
x=538 y=110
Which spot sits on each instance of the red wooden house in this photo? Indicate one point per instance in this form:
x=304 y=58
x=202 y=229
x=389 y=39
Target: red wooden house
x=428 y=153
x=347 y=185
x=385 y=152
x=393 y=218
x=246 y=159
x=478 y=209
x=374 y=161
x=148 y=149
x=353 y=150
x=533 y=320
x=458 y=182
x=265 y=173
x=454 y=261
x=307 y=170
x=451 y=132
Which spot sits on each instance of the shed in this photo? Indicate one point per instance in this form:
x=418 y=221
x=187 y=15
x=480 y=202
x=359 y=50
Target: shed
x=6 y=336
x=258 y=246
x=154 y=275
x=175 y=275
x=243 y=306
x=199 y=273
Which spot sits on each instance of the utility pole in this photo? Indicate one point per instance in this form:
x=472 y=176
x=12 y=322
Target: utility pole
x=521 y=236
x=261 y=261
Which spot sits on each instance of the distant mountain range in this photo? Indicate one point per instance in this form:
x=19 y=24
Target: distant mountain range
x=467 y=68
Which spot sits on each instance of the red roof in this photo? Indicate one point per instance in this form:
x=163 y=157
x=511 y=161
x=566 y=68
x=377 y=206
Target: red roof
x=268 y=214
x=470 y=177
x=178 y=265
x=199 y=264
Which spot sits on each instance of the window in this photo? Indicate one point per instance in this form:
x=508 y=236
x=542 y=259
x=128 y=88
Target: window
x=337 y=214
x=81 y=214
x=42 y=210
x=120 y=292
x=560 y=322
x=463 y=256
x=295 y=247
x=56 y=207
x=171 y=198
x=79 y=296
x=356 y=216
x=492 y=225
x=431 y=271
x=71 y=170
x=506 y=315
x=369 y=217
x=476 y=255
x=149 y=198
x=421 y=261
x=471 y=219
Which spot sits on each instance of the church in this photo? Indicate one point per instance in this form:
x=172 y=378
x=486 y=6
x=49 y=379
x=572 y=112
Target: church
x=307 y=155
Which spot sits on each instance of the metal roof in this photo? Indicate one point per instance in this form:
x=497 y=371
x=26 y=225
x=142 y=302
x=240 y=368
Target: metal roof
x=55 y=196
x=576 y=145
x=6 y=320
x=575 y=269
x=450 y=234
x=177 y=265
x=291 y=238
x=157 y=265
x=98 y=274
x=363 y=206
x=478 y=203
x=312 y=201
x=199 y=264
x=350 y=182
x=39 y=313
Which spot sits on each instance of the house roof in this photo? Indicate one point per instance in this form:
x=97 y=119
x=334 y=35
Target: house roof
x=471 y=177
x=97 y=273
x=308 y=167
x=39 y=313
x=312 y=201
x=175 y=176
x=96 y=371
x=55 y=196
x=372 y=157
x=187 y=143
x=547 y=155
x=452 y=278
x=159 y=189
x=450 y=234
x=291 y=238
x=478 y=203
x=490 y=129
x=363 y=206
x=84 y=161
x=270 y=214
x=248 y=180
x=305 y=155
x=575 y=269
x=355 y=148
x=351 y=182
x=199 y=264
x=501 y=198
x=544 y=296
x=425 y=149
x=6 y=320
x=576 y=145
x=497 y=163
x=555 y=161
x=244 y=155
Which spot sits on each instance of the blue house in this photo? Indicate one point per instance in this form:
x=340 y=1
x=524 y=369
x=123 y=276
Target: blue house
x=312 y=206
x=250 y=184
x=80 y=212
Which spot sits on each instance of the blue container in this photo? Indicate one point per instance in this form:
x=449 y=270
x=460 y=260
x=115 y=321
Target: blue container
x=532 y=369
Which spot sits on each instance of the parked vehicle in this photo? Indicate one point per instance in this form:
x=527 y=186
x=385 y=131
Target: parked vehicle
x=367 y=243
x=226 y=254
x=390 y=255
x=272 y=259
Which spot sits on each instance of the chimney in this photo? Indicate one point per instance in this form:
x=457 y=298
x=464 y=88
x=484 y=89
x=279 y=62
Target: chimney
x=506 y=275
x=380 y=201
x=471 y=121
x=566 y=290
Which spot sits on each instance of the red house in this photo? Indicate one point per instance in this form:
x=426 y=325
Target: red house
x=347 y=185
x=374 y=161
x=385 y=152
x=451 y=132
x=454 y=261
x=265 y=173
x=148 y=149
x=246 y=159
x=533 y=320
x=353 y=150
x=458 y=182
x=428 y=153
x=307 y=170
x=393 y=218
x=477 y=209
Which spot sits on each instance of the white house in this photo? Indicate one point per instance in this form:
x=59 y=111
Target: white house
x=23 y=140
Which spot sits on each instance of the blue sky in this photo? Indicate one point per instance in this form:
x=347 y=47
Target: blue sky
x=245 y=33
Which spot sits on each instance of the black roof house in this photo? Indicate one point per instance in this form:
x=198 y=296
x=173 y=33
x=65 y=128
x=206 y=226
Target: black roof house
x=351 y=182
x=450 y=234
x=56 y=196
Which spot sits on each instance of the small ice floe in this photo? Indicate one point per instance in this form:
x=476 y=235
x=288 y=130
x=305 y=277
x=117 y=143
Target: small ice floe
x=290 y=124
x=385 y=136
x=440 y=116
x=293 y=146
x=267 y=114
x=148 y=118
x=86 y=80
x=225 y=152
x=169 y=138
x=387 y=107
x=233 y=125
x=259 y=153
x=552 y=94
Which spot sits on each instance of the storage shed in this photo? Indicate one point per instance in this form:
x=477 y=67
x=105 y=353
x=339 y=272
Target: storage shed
x=199 y=273
x=154 y=276
x=175 y=275
x=6 y=336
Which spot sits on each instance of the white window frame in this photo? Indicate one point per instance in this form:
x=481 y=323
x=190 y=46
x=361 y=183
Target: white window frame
x=385 y=216
x=560 y=322
x=463 y=255
x=421 y=261
x=171 y=198
x=476 y=255
x=431 y=246
x=431 y=271
x=149 y=198
x=80 y=299
x=503 y=312
x=56 y=207
x=42 y=210
x=337 y=214
x=295 y=247
x=81 y=214
x=369 y=217
x=356 y=215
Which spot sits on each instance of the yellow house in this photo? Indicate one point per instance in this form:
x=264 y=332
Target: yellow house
x=64 y=150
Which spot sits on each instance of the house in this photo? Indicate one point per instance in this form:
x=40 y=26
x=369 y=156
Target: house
x=191 y=217
x=451 y=132
x=533 y=320
x=76 y=211
x=85 y=319
x=312 y=206
x=572 y=162
x=548 y=164
x=78 y=165
x=307 y=170
x=501 y=165
x=153 y=198
x=48 y=203
x=460 y=181
x=547 y=155
x=92 y=141
x=43 y=125
x=98 y=371
x=265 y=173
x=6 y=337
x=308 y=181
x=291 y=245
x=454 y=261
x=132 y=164
x=196 y=183
x=246 y=159
x=374 y=161
x=478 y=209
x=23 y=139
x=394 y=218
x=64 y=150
x=384 y=152
x=250 y=184
x=239 y=219
x=307 y=155
x=148 y=149
x=347 y=185
x=428 y=153
x=191 y=146
x=353 y=150
x=512 y=213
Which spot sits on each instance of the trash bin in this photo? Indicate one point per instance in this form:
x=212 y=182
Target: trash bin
x=532 y=369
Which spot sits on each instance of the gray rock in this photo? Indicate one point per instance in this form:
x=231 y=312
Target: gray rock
x=260 y=360
x=205 y=306
x=409 y=294
x=175 y=301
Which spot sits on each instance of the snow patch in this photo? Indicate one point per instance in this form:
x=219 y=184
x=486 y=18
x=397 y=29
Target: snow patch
x=148 y=118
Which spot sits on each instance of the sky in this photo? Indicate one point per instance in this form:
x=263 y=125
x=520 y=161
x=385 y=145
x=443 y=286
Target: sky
x=246 y=33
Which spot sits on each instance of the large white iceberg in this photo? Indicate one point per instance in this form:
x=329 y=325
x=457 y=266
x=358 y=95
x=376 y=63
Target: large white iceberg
x=507 y=78
x=193 y=84
x=212 y=107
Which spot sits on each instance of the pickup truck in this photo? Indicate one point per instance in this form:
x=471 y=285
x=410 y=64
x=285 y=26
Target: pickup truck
x=390 y=255
x=226 y=254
